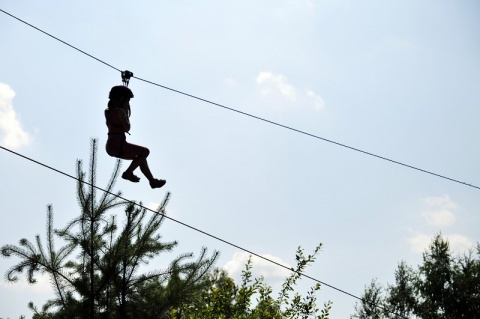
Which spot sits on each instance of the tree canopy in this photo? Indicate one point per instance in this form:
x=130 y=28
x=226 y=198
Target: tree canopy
x=443 y=286
x=97 y=271
x=253 y=298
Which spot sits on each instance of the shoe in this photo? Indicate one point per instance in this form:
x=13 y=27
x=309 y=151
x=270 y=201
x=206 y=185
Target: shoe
x=157 y=183
x=131 y=177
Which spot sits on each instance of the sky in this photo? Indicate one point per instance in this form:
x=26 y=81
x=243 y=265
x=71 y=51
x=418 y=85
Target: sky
x=398 y=79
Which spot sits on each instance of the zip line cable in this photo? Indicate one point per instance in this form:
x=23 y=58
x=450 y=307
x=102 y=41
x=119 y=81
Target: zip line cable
x=198 y=230
x=242 y=113
x=239 y=112
x=253 y=116
x=38 y=29
x=309 y=134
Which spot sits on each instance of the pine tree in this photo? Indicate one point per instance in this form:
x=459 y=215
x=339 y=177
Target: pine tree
x=443 y=286
x=96 y=274
x=434 y=281
x=400 y=298
x=372 y=303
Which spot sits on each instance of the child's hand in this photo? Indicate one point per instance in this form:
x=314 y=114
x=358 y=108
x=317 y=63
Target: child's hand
x=123 y=117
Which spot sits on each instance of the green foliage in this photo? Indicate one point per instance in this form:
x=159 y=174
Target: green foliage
x=252 y=299
x=371 y=299
x=442 y=287
x=401 y=296
x=96 y=274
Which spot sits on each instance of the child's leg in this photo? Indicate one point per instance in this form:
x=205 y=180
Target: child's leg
x=138 y=155
x=146 y=170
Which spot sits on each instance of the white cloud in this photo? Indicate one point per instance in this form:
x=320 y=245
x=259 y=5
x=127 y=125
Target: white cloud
x=11 y=133
x=460 y=243
x=318 y=102
x=439 y=212
x=260 y=267
x=273 y=84
x=439 y=218
x=419 y=242
x=440 y=201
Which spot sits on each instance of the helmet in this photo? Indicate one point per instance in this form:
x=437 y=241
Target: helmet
x=120 y=91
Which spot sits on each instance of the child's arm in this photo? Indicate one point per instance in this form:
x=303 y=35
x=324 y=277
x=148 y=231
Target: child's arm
x=124 y=121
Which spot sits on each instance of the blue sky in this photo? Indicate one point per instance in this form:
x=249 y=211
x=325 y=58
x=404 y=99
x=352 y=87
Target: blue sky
x=395 y=78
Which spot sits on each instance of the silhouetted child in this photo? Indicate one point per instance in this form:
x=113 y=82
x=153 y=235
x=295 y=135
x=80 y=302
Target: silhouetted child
x=117 y=115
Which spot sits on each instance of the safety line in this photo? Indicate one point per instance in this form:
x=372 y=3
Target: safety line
x=309 y=134
x=30 y=25
x=254 y=116
x=198 y=230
